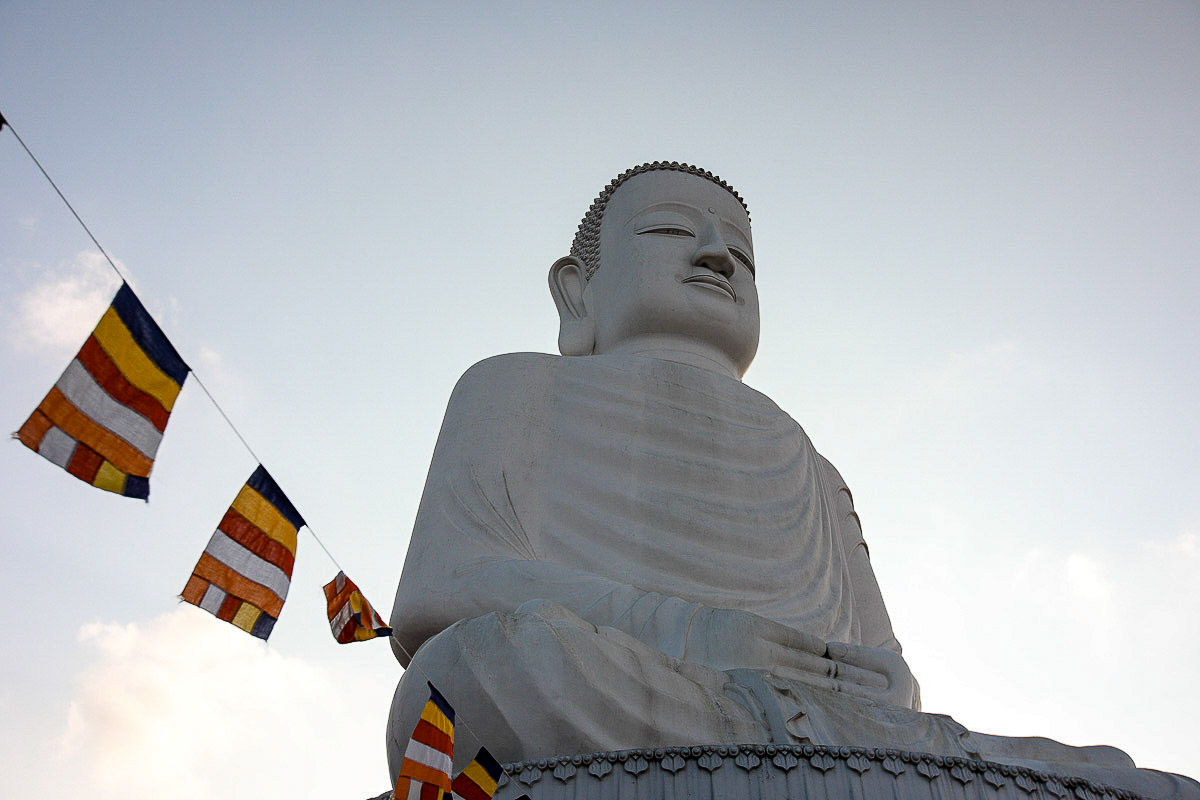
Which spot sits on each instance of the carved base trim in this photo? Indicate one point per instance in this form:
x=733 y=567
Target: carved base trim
x=770 y=772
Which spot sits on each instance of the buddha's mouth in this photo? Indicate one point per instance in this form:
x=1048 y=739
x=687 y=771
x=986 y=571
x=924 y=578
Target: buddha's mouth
x=713 y=280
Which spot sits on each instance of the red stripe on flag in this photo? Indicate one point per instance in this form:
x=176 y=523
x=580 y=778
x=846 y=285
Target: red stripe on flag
x=110 y=378
x=229 y=607
x=244 y=532
x=84 y=463
x=428 y=735
x=468 y=789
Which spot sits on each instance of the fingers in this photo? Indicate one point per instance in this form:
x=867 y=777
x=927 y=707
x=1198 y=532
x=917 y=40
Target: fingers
x=797 y=663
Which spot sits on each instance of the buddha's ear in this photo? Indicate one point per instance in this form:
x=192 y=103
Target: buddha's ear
x=576 y=327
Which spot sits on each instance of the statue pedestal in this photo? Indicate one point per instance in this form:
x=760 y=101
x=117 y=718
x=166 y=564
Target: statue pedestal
x=792 y=772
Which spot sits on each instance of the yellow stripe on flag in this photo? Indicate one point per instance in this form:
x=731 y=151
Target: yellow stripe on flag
x=477 y=773
x=434 y=716
x=133 y=362
x=245 y=617
x=264 y=516
x=109 y=478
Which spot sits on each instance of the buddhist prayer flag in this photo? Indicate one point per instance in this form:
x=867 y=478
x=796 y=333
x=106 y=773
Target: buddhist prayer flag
x=479 y=780
x=103 y=421
x=425 y=771
x=351 y=617
x=244 y=573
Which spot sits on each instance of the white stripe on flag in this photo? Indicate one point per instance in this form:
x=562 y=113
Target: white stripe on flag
x=247 y=564
x=57 y=446
x=212 y=600
x=78 y=386
x=424 y=754
x=341 y=618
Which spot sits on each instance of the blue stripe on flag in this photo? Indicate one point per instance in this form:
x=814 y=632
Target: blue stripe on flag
x=436 y=698
x=148 y=335
x=262 y=482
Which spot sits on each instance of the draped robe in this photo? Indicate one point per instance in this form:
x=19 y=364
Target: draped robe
x=579 y=517
x=658 y=487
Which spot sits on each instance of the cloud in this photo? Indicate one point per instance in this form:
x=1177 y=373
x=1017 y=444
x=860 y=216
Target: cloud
x=191 y=708
x=55 y=315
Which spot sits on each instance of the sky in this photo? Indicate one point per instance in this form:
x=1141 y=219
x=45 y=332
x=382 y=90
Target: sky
x=977 y=243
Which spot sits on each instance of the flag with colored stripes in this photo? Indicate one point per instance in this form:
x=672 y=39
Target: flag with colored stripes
x=425 y=771
x=479 y=780
x=351 y=617
x=103 y=421
x=244 y=573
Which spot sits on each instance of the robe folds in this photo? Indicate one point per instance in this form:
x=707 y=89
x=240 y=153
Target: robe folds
x=633 y=491
x=582 y=515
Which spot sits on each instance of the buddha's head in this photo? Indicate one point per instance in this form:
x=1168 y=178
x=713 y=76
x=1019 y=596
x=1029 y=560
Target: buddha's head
x=663 y=264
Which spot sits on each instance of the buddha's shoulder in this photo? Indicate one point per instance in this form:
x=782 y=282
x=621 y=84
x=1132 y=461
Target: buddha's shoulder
x=507 y=370
x=501 y=384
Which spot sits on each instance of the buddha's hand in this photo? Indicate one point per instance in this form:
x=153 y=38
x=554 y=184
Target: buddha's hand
x=722 y=639
x=860 y=668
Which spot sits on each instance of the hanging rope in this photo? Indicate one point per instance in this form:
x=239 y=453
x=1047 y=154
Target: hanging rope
x=4 y=122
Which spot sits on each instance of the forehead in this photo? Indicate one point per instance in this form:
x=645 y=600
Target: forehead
x=659 y=187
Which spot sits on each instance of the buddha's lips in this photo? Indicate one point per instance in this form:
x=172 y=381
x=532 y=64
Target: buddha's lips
x=714 y=280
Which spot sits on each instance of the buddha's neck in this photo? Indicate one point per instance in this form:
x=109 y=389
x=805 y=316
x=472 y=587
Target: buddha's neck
x=679 y=350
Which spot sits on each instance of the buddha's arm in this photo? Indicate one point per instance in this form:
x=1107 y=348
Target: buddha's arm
x=716 y=638
x=879 y=651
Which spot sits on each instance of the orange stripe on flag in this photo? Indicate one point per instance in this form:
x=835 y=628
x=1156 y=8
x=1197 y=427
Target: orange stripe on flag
x=34 y=429
x=234 y=583
x=195 y=589
x=417 y=771
x=79 y=426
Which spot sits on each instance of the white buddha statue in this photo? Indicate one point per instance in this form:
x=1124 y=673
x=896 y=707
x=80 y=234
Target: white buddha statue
x=626 y=546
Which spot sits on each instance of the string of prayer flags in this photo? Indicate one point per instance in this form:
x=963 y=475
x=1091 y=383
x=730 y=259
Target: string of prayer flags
x=480 y=778
x=244 y=573
x=425 y=770
x=351 y=617
x=104 y=419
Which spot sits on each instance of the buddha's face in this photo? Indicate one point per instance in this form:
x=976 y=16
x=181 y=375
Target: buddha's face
x=676 y=266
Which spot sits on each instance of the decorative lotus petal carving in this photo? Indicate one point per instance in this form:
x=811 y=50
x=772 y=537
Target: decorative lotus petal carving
x=893 y=765
x=530 y=775
x=1055 y=788
x=1084 y=792
x=636 y=764
x=672 y=763
x=710 y=761
x=857 y=763
x=564 y=772
x=961 y=774
x=785 y=760
x=993 y=777
x=928 y=769
x=1028 y=784
x=747 y=761
x=822 y=761
x=600 y=767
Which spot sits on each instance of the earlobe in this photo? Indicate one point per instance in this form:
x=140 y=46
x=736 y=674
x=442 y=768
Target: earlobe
x=576 y=327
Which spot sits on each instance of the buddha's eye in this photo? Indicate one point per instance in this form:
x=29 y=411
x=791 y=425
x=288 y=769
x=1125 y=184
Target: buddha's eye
x=667 y=230
x=742 y=257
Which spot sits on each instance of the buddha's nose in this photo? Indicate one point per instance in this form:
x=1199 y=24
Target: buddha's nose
x=712 y=252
